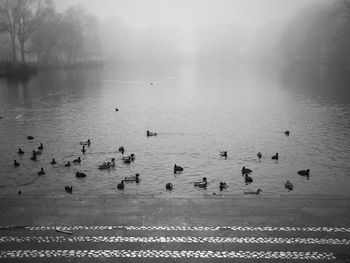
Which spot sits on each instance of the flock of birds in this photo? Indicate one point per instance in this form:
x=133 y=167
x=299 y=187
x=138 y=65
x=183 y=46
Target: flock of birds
x=136 y=178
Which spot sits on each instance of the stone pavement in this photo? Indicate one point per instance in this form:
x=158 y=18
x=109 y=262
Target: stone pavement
x=169 y=228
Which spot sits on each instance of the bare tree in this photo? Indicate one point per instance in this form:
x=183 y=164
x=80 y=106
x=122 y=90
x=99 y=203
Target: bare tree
x=9 y=22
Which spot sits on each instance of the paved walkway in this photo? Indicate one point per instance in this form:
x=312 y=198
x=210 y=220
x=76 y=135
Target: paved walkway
x=158 y=228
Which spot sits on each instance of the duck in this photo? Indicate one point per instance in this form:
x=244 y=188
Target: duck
x=259 y=155
x=223 y=154
x=120 y=186
x=148 y=133
x=33 y=158
x=83 y=150
x=275 y=157
x=286 y=133
x=253 y=192
x=223 y=185
x=177 y=169
x=41 y=147
x=80 y=174
x=246 y=170
x=248 y=179
x=121 y=149
x=20 y=151
x=41 y=172
x=169 y=186
x=15 y=163
x=304 y=172
x=85 y=143
x=132 y=178
x=53 y=161
x=77 y=160
x=67 y=164
x=201 y=183
x=36 y=152
x=127 y=160
x=288 y=185
x=69 y=189
x=132 y=157
x=107 y=165
x=30 y=137
x=116 y=109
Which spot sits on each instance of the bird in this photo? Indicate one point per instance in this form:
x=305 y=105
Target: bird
x=77 y=160
x=69 y=189
x=246 y=170
x=223 y=185
x=304 y=172
x=288 y=185
x=286 y=133
x=169 y=186
x=248 y=179
x=33 y=158
x=80 y=174
x=253 y=192
x=148 y=133
x=83 y=150
x=15 y=163
x=223 y=154
x=41 y=147
x=121 y=149
x=133 y=178
x=201 y=183
x=275 y=157
x=259 y=155
x=41 y=172
x=30 y=137
x=116 y=109
x=177 y=169
x=67 y=164
x=121 y=185
x=20 y=151
x=53 y=161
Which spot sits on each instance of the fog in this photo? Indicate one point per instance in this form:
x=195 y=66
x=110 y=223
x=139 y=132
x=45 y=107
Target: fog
x=186 y=29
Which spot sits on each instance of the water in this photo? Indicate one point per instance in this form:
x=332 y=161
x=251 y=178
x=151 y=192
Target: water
x=197 y=111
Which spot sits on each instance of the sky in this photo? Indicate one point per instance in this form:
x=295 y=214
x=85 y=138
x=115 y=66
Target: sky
x=191 y=13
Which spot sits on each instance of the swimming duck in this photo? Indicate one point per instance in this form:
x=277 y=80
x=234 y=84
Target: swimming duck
x=121 y=185
x=132 y=157
x=53 y=161
x=30 y=137
x=304 y=172
x=223 y=154
x=41 y=147
x=151 y=133
x=201 y=183
x=77 y=160
x=41 y=172
x=67 y=164
x=80 y=174
x=177 y=169
x=169 y=186
x=223 y=185
x=248 y=179
x=253 y=192
x=286 y=133
x=85 y=143
x=132 y=178
x=107 y=165
x=246 y=170
x=121 y=149
x=127 y=160
x=83 y=150
x=288 y=185
x=69 y=189
x=15 y=163
x=20 y=151
x=33 y=158
x=275 y=157
x=259 y=155
x=116 y=109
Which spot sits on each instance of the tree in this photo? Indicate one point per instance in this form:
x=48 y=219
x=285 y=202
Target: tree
x=31 y=14
x=9 y=22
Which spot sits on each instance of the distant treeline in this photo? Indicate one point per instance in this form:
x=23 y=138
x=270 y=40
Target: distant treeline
x=32 y=31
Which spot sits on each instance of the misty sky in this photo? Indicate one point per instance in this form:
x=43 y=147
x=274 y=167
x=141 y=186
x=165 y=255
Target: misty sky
x=248 y=13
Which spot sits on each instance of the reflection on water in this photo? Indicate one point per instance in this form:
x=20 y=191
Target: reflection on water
x=197 y=111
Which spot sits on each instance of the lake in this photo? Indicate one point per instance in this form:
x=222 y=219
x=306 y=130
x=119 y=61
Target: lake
x=196 y=110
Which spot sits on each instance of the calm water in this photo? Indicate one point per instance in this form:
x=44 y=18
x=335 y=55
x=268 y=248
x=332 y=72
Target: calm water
x=197 y=111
